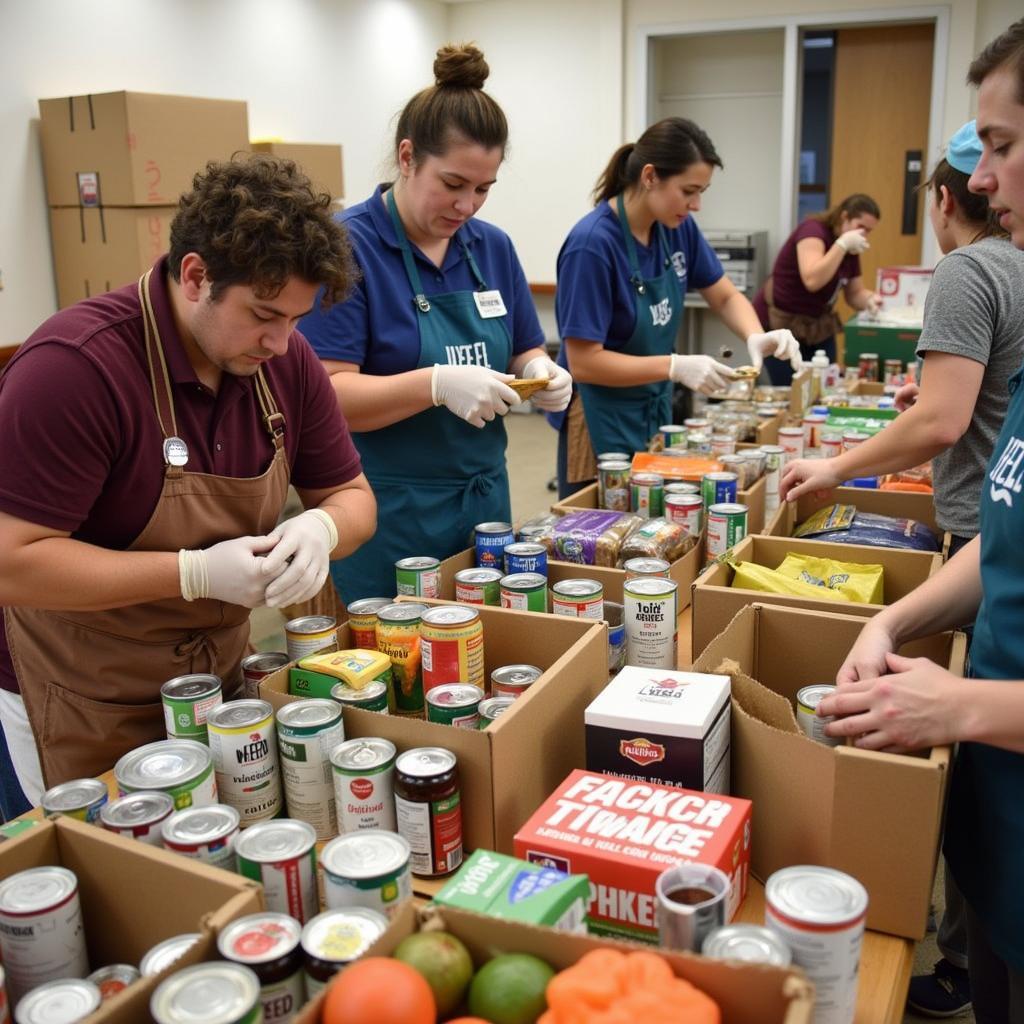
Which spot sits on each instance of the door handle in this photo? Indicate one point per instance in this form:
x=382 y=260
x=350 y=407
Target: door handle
x=911 y=182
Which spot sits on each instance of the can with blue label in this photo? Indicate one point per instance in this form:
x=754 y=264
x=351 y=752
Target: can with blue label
x=491 y=539
x=526 y=557
x=719 y=488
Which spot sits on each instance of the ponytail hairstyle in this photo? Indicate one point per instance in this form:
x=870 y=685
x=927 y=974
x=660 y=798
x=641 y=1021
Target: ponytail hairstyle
x=455 y=108
x=670 y=146
x=850 y=207
x=973 y=207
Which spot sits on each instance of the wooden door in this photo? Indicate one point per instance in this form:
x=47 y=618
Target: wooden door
x=882 y=98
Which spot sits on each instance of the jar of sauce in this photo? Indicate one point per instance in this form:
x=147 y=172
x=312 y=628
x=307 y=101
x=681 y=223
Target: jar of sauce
x=428 y=809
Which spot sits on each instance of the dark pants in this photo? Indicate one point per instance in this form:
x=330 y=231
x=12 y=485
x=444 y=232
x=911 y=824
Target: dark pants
x=997 y=991
x=780 y=372
x=12 y=800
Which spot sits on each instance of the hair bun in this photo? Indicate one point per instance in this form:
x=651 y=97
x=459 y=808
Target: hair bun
x=462 y=67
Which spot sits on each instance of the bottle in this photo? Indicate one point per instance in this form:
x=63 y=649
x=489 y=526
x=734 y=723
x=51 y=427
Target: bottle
x=819 y=369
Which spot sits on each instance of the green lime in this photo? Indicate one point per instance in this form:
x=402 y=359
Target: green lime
x=444 y=961
x=510 y=989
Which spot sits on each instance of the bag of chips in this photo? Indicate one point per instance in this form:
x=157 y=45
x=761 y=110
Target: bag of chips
x=810 y=576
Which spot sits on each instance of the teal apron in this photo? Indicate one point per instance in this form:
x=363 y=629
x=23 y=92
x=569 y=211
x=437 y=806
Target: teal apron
x=434 y=475
x=625 y=419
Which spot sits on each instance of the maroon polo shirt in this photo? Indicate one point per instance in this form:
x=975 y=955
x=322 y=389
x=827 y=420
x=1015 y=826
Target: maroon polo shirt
x=83 y=451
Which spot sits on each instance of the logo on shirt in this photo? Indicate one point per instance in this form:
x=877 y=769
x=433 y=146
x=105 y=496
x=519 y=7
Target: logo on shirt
x=661 y=313
x=1006 y=475
x=474 y=354
x=679 y=264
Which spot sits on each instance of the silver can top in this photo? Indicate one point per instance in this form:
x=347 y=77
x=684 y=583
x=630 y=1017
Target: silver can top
x=198 y=826
x=368 y=853
x=577 y=588
x=345 y=694
x=519 y=676
x=162 y=765
x=478 y=575
x=809 y=697
x=237 y=714
x=419 y=563
x=259 y=938
x=73 y=795
x=190 y=687
x=650 y=586
x=492 y=528
x=214 y=993
x=646 y=566
x=279 y=839
x=524 y=581
x=728 y=508
x=163 y=954
x=265 y=661
x=340 y=936
x=491 y=708
x=450 y=615
x=311 y=624
x=35 y=890
x=313 y=713
x=816 y=895
x=369 y=605
x=401 y=611
x=454 y=695
x=363 y=755
x=525 y=549
x=58 y=1002
x=425 y=762
x=136 y=809
x=750 y=942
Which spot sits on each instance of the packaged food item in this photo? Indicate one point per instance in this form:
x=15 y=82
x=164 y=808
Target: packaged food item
x=817 y=578
x=590 y=537
x=843 y=524
x=318 y=674
x=535 y=525
x=657 y=538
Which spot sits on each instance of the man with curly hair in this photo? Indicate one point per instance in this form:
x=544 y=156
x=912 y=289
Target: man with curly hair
x=151 y=434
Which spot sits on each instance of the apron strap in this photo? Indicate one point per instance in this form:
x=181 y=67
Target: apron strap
x=273 y=418
x=635 y=277
x=161 y=383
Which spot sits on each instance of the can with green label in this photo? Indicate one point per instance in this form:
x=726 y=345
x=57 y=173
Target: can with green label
x=187 y=700
x=372 y=697
x=726 y=526
x=419 y=576
x=525 y=591
x=455 y=704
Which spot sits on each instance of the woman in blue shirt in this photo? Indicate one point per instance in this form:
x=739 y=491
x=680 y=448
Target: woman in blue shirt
x=622 y=275
x=421 y=354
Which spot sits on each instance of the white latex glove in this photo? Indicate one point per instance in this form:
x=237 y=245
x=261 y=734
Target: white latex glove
x=300 y=560
x=474 y=393
x=874 y=303
x=555 y=397
x=230 y=571
x=780 y=344
x=854 y=242
x=700 y=373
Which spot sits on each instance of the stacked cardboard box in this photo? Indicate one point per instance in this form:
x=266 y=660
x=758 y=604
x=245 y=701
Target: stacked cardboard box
x=322 y=162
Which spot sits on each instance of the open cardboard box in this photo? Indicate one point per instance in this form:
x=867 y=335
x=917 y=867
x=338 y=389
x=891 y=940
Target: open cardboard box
x=875 y=816
x=746 y=993
x=134 y=896
x=867 y=387
x=508 y=769
x=802 y=392
x=715 y=602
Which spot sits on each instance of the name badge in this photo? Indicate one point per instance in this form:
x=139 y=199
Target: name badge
x=489 y=304
x=175 y=451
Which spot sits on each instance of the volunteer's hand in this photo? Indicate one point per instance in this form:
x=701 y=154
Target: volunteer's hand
x=906 y=396
x=700 y=373
x=854 y=242
x=808 y=475
x=555 y=397
x=874 y=303
x=867 y=657
x=298 y=565
x=916 y=705
x=230 y=571
x=780 y=344
x=474 y=393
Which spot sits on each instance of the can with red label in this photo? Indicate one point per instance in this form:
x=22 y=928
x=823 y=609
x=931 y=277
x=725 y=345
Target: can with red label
x=581 y=599
x=429 y=809
x=362 y=621
x=364 y=789
x=257 y=667
x=452 y=646
x=791 y=440
x=686 y=510
x=281 y=856
x=478 y=586
x=831 y=444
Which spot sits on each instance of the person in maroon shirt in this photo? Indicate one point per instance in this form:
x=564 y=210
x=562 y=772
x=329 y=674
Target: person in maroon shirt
x=151 y=434
x=817 y=260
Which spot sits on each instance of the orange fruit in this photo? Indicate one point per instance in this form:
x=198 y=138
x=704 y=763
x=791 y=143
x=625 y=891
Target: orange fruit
x=379 y=990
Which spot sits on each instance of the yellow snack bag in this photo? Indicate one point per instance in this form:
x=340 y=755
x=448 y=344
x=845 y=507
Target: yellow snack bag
x=356 y=667
x=750 y=576
x=808 y=576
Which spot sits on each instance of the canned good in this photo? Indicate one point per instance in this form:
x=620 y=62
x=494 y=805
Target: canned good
x=526 y=558
x=525 y=591
x=813 y=425
x=455 y=704
x=113 y=979
x=81 y=798
x=867 y=366
x=478 y=586
x=650 y=613
x=580 y=599
x=307 y=732
x=727 y=525
x=614 y=457
x=687 y=511
x=893 y=371
x=751 y=943
x=181 y=768
x=681 y=487
x=138 y=816
x=697 y=423
x=59 y=1002
x=204 y=833
x=372 y=697
x=335 y=938
x=852 y=438
x=362 y=621
x=637 y=567
x=490 y=541
x=244 y=748
x=672 y=435
x=309 y=634
x=774 y=463
x=613 y=613
x=698 y=442
x=831 y=444
x=257 y=667
x=220 y=993
x=165 y=953
x=717 y=488
x=514 y=680
x=281 y=855
x=398 y=636
x=367 y=869
x=187 y=701
x=364 y=791
x=269 y=945
x=419 y=576
x=613 y=484
x=807 y=700
x=819 y=914
x=791 y=441
x=429 y=809
x=647 y=494
x=318 y=674
x=723 y=444
x=452 y=646
x=493 y=708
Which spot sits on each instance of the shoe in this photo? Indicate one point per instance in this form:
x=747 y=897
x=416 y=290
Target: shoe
x=946 y=992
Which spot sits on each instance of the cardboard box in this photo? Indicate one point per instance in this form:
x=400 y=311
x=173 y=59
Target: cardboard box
x=321 y=162
x=509 y=768
x=134 y=148
x=746 y=993
x=876 y=816
x=767 y=431
x=622 y=835
x=134 y=896
x=97 y=250
x=865 y=388
x=715 y=602
x=802 y=392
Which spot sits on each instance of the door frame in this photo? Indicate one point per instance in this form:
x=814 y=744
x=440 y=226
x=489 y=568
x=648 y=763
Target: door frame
x=645 y=98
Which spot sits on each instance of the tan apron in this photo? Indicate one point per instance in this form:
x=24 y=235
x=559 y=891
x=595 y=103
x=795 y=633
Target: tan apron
x=808 y=330
x=580 y=462
x=91 y=680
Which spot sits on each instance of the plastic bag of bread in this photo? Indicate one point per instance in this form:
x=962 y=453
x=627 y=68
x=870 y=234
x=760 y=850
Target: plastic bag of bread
x=589 y=537
x=657 y=538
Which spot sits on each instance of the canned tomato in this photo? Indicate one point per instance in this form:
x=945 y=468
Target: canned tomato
x=81 y=798
x=398 y=636
x=514 y=680
x=243 y=743
x=750 y=943
x=613 y=614
x=493 y=708
x=165 y=953
x=526 y=558
x=478 y=586
x=367 y=869
x=187 y=701
x=893 y=371
x=56 y=1002
x=203 y=833
x=813 y=425
x=269 y=945
x=452 y=646
x=613 y=484
x=335 y=938
x=672 y=435
x=774 y=463
x=41 y=933
x=362 y=621
x=419 y=576
x=580 y=599
x=723 y=444
x=717 y=488
x=831 y=444
x=819 y=914
x=807 y=700
x=211 y=992
x=650 y=614
x=867 y=366
x=372 y=697
x=525 y=591
x=637 y=567
x=429 y=809
x=647 y=494
x=364 y=791
x=138 y=816
x=687 y=511
x=257 y=667
x=307 y=732
x=852 y=438
x=727 y=525
x=490 y=541
x=281 y=856
x=181 y=768
x=309 y=634
x=114 y=978
x=791 y=441
x=455 y=704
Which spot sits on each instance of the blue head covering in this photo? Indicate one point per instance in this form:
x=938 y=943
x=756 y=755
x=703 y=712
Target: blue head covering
x=964 y=150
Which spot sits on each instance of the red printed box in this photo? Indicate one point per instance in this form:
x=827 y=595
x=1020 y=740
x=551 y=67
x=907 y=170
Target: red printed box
x=623 y=834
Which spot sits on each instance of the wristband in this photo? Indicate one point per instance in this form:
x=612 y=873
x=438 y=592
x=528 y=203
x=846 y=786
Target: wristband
x=192 y=574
